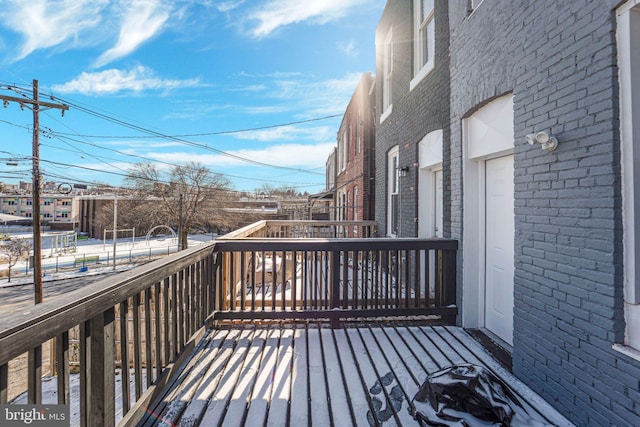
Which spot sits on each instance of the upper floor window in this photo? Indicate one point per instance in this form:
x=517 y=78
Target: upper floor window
x=343 y=151
x=387 y=72
x=358 y=132
x=424 y=39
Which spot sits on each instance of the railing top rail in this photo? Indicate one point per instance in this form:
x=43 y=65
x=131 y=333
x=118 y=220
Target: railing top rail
x=252 y=229
x=256 y=244
x=34 y=325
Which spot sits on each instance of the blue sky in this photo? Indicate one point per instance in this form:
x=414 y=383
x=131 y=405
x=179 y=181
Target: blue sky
x=180 y=80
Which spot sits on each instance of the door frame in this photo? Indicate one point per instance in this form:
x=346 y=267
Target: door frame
x=429 y=161
x=483 y=138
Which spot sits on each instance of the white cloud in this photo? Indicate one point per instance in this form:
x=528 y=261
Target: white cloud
x=141 y=20
x=45 y=24
x=317 y=98
x=227 y=6
x=301 y=156
x=348 y=48
x=113 y=81
x=279 y=13
x=288 y=133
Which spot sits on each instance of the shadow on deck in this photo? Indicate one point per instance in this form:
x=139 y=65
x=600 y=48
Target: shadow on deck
x=310 y=374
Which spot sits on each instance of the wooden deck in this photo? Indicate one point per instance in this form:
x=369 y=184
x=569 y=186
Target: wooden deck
x=295 y=374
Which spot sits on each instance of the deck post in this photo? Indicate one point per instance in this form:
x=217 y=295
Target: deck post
x=101 y=381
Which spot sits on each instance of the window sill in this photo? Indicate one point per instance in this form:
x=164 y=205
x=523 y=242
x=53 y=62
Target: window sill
x=428 y=67
x=386 y=113
x=627 y=351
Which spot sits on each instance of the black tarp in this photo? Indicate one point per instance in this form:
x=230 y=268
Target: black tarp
x=469 y=395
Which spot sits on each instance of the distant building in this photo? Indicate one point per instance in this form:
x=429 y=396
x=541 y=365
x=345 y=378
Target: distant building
x=354 y=195
x=53 y=207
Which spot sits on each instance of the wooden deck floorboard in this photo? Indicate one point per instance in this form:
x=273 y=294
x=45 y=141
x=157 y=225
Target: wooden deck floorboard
x=309 y=374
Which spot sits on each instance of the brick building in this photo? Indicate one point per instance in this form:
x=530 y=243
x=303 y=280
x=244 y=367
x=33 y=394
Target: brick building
x=548 y=247
x=355 y=155
x=412 y=98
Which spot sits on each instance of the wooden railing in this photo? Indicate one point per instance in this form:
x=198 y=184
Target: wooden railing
x=335 y=279
x=173 y=296
x=171 y=301
x=305 y=229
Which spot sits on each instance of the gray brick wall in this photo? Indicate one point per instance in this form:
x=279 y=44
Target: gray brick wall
x=558 y=58
x=415 y=113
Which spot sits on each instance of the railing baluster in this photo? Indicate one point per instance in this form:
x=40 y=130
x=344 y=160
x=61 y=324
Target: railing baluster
x=175 y=309
x=85 y=368
x=252 y=281
x=158 y=324
x=294 y=283
x=263 y=274
x=124 y=355
x=62 y=367
x=186 y=302
x=232 y=282
x=417 y=256
x=166 y=331
x=34 y=375
x=283 y=287
x=194 y=299
x=180 y=308
x=148 y=341
x=4 y=383
x=274 y=279
x=305 y=278
x=136 y=345
x=427 y=277
x=243 y=284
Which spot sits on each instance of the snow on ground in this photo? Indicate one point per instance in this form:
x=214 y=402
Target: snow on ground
x=70 y=264
x=50 y=394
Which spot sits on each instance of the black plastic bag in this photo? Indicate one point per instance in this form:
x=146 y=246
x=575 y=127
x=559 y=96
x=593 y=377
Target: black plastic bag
x=468 y=395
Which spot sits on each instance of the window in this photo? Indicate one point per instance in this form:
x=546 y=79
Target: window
x=628 y=35
x=349 y=156
x=66 y=203
x=355 y=203
x=358 y=132
x=393 y=200
x=48 y=203
x=387 y=71
x=343 y=151
x=424 y=39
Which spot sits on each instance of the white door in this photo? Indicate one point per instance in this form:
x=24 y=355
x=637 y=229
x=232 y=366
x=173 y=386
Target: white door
x=437 y=203
x=499 y=251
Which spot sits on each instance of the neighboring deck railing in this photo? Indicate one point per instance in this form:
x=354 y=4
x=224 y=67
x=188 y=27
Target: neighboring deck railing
x=287 y=275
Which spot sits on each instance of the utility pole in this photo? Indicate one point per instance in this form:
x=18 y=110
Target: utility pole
x=180 y=236
x=115 y=229
x=35 y=105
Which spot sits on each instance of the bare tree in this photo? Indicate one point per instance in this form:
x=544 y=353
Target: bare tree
x=13 y=249
x=186 y=197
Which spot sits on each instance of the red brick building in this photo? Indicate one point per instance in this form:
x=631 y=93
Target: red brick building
x=354 y=196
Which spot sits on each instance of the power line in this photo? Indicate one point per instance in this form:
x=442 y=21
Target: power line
x=225 y=132
x=181 y=140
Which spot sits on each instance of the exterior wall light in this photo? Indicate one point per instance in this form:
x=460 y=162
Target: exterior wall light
x=543 y=138
x=404 y=171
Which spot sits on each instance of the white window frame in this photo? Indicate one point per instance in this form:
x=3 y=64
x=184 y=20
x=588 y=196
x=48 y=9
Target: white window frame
x=358 y=133
x=393 y=189
x=423 y=29
x=628 y=40
x=387 y=74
